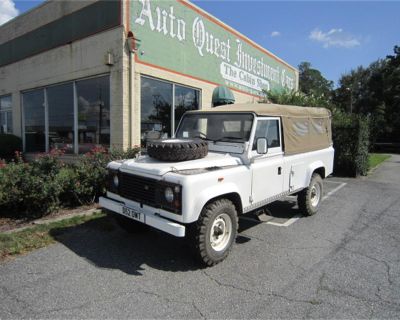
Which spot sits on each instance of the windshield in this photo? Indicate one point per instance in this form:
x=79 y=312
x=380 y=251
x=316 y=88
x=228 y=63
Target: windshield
x=230 y=127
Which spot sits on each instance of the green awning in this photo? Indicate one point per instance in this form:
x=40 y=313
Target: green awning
x=221 y=96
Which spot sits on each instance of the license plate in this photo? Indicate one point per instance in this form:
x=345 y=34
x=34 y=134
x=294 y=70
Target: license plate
x=131 y=213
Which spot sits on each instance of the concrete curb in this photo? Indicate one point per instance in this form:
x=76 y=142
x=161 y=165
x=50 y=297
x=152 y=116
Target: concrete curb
x=44 y=221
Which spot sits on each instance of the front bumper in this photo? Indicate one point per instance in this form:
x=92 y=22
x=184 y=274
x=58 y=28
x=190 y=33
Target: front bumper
x=147 y=217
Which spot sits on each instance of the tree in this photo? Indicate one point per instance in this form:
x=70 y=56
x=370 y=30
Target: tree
x=311 y=82
x=391 y=95
x=374 y=91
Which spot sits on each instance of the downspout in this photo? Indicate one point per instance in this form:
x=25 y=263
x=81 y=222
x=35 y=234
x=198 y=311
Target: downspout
x=132 y=49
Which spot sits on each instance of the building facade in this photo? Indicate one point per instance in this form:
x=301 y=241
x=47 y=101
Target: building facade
x=79 y=74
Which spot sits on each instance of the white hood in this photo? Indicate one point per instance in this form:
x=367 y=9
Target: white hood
x=147 y=165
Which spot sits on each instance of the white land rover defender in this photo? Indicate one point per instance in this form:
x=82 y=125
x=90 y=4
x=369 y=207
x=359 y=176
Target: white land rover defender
x=223 y=163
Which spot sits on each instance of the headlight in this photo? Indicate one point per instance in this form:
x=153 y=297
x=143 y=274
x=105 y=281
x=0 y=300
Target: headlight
x=116 y=180
x=113 y=181
x=169 y=194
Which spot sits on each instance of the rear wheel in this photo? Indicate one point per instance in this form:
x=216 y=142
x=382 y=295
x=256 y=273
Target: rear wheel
x=310 y=198
x=215 y=231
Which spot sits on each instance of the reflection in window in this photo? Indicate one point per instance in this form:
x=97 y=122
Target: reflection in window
x=213 y=126
x=156 y=112
x=60 y=101
x=156 y=101
x=5 y=115
x=93 y=113
x=34 y=121
x=186 y=99
x=268 y=129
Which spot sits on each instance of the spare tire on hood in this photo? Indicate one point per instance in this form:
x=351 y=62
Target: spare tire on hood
x=177 y=149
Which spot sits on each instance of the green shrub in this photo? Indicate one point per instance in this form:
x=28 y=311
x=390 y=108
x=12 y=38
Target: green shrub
x=91 y=173
x=351 y=142
x=9 y=144
x=36 y=188
x=27 y=191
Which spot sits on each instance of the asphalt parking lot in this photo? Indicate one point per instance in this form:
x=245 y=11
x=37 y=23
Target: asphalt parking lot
x=342 y=263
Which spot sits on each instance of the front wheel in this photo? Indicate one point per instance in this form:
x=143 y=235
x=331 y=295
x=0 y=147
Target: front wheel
x=215 y=231
x=310 y=198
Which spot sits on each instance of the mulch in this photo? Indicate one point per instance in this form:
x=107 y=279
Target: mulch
x=8 y=224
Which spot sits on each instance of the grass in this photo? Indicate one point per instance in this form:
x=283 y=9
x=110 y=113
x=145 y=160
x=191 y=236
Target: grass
x=374 y=159
x=39 y=236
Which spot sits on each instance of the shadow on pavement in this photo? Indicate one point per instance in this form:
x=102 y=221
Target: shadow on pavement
x=283 y=209
x=105 y=245
x=277 y=211
x=113 y=248
x=102 y=243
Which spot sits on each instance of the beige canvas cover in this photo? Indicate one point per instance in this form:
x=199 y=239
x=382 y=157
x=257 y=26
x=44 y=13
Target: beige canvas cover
x=304 y=129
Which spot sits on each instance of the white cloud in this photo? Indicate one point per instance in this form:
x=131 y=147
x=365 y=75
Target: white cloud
x=7 y=11
x=334 y=38
x=275 y=34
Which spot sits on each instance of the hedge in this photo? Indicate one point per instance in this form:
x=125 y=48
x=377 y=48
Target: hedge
x=31 y=190
x=350 y=135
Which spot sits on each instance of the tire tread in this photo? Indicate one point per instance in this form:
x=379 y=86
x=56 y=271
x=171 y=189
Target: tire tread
x=199 y=231
x=304 y=199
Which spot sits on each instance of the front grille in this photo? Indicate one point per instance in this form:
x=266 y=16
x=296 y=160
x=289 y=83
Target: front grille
x=136 y=188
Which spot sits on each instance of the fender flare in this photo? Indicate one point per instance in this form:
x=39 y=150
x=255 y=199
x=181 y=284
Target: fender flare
x=211 y=193
x=312 y=167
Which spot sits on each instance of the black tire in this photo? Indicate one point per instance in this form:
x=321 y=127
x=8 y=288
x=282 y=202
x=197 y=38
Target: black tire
x=177 y=149
x=129 y=225
x=310 y=198
x=200 y=232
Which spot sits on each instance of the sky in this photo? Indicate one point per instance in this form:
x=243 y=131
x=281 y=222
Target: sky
x=334 y=36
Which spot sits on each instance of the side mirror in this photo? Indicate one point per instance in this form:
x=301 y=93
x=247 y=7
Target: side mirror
x=262 y=146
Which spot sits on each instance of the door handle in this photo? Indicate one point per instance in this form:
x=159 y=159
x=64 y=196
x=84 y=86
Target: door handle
x=279 y=170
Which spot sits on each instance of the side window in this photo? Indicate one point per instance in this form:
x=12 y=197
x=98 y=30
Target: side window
x=268 y=129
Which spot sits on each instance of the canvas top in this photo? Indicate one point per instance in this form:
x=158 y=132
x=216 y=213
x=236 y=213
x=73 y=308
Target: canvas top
x=266 y=109
x=305 y=129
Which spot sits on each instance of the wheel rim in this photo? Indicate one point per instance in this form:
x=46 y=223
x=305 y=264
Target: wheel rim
x=221 y=231
x=315 y=194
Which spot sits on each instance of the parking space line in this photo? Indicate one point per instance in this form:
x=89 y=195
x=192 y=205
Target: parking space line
x=297 y=217
x=334 y=191
x=287 y=223
x=331 y=181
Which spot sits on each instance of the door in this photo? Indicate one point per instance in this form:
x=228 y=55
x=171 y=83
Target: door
x=267 y=170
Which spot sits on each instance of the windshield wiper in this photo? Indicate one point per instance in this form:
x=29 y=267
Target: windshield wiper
x=204 y=137
x=227 y=137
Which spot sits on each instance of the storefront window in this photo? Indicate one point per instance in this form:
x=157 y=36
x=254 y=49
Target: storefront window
x=60 y=101
x=53 y=108
x=5 y=114
x=186 y=99
x=93 y=113
x=157 y=98
x=34 y=112
x=156 y=102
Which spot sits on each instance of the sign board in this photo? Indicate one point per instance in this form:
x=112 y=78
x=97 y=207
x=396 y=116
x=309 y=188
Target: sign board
x=177 y=36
